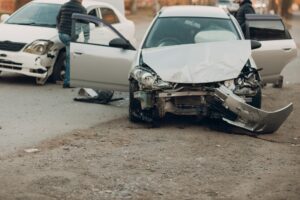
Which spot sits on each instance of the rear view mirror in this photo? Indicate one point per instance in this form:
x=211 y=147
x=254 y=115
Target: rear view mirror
x=119 y=43
x=255 y=44
x=4 y=17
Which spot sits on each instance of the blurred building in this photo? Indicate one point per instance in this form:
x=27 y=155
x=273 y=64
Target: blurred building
x=9 y=6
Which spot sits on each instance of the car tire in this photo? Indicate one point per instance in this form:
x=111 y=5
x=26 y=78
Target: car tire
x=59 y=68
x=279 y=83
x=134 y=104
x=257 y=99
x=41 y=81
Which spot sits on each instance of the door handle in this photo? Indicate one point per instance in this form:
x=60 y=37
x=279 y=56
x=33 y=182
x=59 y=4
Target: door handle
x=287 y=49
x=78 y=53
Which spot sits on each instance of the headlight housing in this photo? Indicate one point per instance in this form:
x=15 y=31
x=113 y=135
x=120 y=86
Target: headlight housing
x=230 y=84
x=145 y=78
x=39 y=47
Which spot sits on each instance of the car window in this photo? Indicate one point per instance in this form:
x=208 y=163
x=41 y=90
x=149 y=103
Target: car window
x=170 y=31
x=88 y=33
x=36 y=14
x=263 y=30
x=109 y=16
x=93 y=12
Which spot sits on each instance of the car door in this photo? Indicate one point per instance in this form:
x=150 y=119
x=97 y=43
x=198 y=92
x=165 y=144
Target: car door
x=100 y=56
x=278 y=48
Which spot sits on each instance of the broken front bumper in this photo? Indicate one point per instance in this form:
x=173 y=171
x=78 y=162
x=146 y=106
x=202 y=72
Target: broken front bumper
x=25 y=63
x=251 y=118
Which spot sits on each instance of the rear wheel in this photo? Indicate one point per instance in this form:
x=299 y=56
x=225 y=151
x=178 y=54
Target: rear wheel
x=59 y=68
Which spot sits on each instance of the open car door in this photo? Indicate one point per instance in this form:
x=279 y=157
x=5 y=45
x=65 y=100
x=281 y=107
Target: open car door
x=277 y=50
x=100 y=56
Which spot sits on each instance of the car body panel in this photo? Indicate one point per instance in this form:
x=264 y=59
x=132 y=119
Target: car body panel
x=276 y=51
x=107 y=67
x=273 y=56
x=11 y=32
x=184 y=63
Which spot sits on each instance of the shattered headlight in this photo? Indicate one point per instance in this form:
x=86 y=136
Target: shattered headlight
x=230 y=84
x=145 y=78
x=39 y=47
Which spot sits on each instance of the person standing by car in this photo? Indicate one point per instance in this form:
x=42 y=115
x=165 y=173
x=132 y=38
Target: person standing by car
x=64 y=25
x=245 y=8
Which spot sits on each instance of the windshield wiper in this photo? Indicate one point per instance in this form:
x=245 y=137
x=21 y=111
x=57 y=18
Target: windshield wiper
x=34 y=24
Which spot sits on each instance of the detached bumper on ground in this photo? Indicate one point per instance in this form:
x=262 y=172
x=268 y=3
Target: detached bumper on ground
x=251 y=118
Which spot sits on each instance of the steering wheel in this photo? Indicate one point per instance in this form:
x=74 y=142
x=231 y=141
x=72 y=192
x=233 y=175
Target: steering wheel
x=169 y=41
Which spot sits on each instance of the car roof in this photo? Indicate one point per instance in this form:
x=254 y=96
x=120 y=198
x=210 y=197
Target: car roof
x=194 y=11
x=85 y=3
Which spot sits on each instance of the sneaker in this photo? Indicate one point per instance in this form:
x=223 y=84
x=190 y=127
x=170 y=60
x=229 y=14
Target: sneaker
x=66 y=85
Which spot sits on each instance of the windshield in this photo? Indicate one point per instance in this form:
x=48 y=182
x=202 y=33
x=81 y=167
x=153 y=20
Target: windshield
x=169 y=31
x=36 y=14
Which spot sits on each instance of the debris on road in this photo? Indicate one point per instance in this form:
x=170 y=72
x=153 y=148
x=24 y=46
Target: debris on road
x=89 y=95
x=32 y=150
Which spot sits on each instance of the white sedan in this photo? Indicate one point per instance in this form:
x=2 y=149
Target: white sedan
x=29 y=42
x=193 y=60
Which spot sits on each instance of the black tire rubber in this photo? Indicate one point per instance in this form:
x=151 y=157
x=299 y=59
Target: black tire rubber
x=59 y=66
x=134 y=104
x=279 y=83
x=257 y=99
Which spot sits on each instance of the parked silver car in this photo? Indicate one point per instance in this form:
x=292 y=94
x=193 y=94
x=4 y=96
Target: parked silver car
x=193 y=60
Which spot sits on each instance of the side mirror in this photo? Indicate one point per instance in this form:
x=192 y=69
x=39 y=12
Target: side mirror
x=255 y=44
x=4 y=17
x=119 y=43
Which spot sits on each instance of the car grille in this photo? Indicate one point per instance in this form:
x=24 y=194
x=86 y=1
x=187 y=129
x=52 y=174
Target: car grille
x=6 y=64
x=11 y=46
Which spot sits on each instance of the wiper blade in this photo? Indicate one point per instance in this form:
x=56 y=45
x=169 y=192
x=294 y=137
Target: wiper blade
x=35 y=24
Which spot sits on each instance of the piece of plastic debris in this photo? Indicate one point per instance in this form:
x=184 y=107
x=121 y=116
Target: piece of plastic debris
x=32 y=150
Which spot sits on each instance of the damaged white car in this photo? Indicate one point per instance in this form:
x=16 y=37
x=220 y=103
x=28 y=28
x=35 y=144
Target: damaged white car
x=193 y=61
x=29 y=42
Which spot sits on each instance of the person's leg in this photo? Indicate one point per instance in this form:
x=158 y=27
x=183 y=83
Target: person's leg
x=66 y=41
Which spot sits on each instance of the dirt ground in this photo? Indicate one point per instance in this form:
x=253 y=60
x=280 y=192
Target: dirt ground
x=180 y=160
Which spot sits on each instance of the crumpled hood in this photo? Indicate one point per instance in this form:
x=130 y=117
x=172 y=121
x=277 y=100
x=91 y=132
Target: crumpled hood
x=199 y=63
x=25 y=34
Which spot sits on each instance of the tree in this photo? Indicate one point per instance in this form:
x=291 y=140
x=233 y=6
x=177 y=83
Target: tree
x=281 y=7
x=156 y=6
x=285 y=6
x=134 y=6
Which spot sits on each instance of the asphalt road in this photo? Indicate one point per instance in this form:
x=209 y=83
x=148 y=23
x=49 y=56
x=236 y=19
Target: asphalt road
x=31 y=113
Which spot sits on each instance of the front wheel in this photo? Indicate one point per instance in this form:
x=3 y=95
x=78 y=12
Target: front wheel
x=134 y=104
x=41 y=81
x=257 y=99
x=59 y=68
